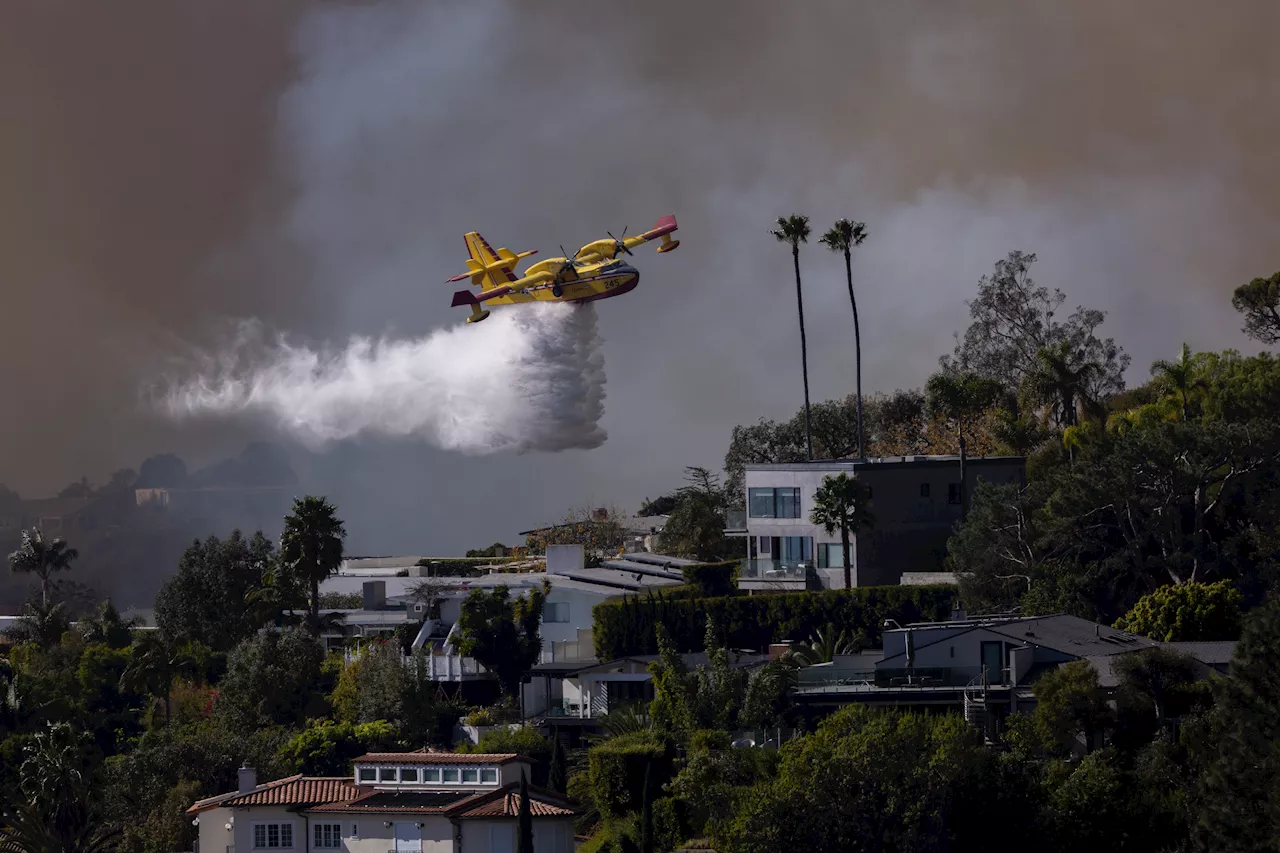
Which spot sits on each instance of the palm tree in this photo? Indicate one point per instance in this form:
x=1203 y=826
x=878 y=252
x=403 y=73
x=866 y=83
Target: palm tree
x=794 y=230
x=843 y=237
x=823 y=647
x=107 y=626
x=42 y=558
x=1183 y=377
x=1060 y=380
x=311 y=547
x=42 y=624
x=841 y=504
x=60 y=812
x=960 y=399
x=153 y=666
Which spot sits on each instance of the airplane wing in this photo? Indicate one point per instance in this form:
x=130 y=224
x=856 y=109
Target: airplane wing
x=662 y=228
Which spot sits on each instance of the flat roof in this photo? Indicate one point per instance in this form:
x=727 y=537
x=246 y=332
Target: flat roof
x=881 y=461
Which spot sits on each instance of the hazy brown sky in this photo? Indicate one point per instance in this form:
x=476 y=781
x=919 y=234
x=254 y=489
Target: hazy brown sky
x=167 y=167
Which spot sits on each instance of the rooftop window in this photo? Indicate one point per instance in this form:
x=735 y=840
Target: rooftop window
x=397 y=775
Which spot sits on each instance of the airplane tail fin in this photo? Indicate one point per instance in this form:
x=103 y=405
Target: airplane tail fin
x=489 y=268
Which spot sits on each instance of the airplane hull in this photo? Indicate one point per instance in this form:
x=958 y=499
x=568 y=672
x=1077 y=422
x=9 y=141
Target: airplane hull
x=625 y=285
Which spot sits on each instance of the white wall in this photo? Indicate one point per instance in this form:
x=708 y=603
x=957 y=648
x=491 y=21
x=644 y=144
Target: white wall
x=247 y=817
x=214 y=836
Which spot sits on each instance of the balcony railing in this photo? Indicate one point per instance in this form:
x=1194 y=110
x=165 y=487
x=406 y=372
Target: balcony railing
x=735 y=519
x=774 y=570
x=923 y=678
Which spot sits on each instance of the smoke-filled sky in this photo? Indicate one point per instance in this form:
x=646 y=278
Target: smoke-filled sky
x=169 y=168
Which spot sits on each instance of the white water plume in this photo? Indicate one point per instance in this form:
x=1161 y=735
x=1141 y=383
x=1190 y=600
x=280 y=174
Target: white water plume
x=528 y=378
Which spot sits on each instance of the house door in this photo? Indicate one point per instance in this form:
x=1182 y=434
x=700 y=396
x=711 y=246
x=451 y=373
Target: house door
x=408 y=840
x=993 y=662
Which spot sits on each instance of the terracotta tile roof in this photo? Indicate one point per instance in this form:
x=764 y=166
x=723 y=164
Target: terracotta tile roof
x=439 y=758
x=299 y=791
x=508 y=805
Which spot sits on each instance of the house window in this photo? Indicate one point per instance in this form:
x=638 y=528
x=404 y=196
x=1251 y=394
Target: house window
x=765 y=545
x=273 y=836
x=386 y=774
x=471 y=775
x=431 y=774
x=831 y=555
x=555 y=611
x=328 y=836
x=774 y=503
x=489 y=775
x=450 y=774
x=368 y=774
x=408 y=774
x=953 y=493
x=796 y=549
x=924 y=490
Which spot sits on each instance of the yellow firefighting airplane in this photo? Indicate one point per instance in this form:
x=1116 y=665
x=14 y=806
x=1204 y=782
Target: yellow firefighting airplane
x=596 y=272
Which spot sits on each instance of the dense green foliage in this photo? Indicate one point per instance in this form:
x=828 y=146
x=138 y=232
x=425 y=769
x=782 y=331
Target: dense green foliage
x=501 y=632
x=462 y=567
x=618 y=768
x=1186 y=612
x=712 y=580
x=628 y=627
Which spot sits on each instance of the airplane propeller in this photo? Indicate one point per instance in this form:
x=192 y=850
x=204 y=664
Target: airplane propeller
x=619 y=246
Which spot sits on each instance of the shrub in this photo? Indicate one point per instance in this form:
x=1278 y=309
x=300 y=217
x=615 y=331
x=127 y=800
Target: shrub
x=626 y=627
x=463 y=567
x=521 y=741
x=617 y=769
x=712 y=580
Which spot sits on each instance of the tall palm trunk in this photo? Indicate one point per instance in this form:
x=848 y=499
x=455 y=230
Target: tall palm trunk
x=964 y=493
x=848 y=568
x=315 y=605
x=804 y=353
x=857 y=350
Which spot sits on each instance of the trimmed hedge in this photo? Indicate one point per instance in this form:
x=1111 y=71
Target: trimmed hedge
x=626 y=627
x=617 y=771
x=712 y=580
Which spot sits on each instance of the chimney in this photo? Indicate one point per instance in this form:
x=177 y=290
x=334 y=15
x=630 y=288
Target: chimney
x=777 y=650
x=248 y=779
x=375 y=595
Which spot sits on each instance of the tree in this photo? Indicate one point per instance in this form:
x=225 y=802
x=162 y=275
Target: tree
x=61 y=812
x=646 y=812
x=843 y=237
x=1014 y=319
x=106 y=626
x=598 y=531
x=1060 y=381
x=1241 y=810
x=695 y=527
x=272 y=678
x=328 y=748
x=1186 y=612
x=42 y=624
x=207 y=599
x=1182 y=377
x=311 y=547
x=841 y=503
x=1259 y=302
x=153 y=666
x=661 y=505
x=524 y=819
x=823 y=647
x=502 y=633
x=42 y=558
x=1070 y=704
x=959 y=399
x=794 y=230
x=558 y=776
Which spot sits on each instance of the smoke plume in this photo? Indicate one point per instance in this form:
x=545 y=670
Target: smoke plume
x=526 y=379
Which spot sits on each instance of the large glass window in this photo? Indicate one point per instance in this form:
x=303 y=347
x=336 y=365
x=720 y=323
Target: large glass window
x=431 y=774
x=489 y=775
x=368 y=774
x=774 y=503
x=796 y=549
x=831 y=555
x=555 y=611
x=387 y=774
x=408 y=774
x=451 y=774
x=470 y=775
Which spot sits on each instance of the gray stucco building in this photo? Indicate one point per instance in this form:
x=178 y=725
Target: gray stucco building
x=915 y=500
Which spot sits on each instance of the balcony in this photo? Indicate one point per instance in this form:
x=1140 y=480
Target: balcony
x=774 y=575
x=735 y=522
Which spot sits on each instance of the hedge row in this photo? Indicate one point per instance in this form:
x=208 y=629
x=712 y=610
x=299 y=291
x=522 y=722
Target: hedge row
x=617 y=771
x=626 y=627
x=712 y=580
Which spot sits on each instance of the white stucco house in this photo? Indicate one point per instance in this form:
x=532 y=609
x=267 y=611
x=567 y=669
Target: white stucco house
x=424 y=802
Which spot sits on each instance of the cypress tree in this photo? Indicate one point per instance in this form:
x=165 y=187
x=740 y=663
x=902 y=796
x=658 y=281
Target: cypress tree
x=524 y=831
x=558 y=778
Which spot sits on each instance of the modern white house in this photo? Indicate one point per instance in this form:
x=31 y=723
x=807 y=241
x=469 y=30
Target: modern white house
x=424 y=802
x=915 y=501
